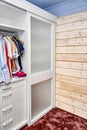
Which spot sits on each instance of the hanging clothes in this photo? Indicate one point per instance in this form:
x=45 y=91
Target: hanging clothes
x=20 y=51
x=19 y=46
x=14 y=54
x=11 y=52
x=7 y=60
x=14 y=47
x=4 y=72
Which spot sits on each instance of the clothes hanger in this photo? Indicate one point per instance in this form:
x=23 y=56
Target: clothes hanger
x=17 y=37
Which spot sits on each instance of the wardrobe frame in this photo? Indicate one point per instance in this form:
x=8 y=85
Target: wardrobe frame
x=35 y=12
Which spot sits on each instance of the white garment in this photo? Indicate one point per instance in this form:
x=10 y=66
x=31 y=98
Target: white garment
x=14 y=49
x=4 y=72
x=9 y=47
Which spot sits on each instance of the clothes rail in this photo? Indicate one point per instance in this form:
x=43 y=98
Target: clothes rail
x=9 y=33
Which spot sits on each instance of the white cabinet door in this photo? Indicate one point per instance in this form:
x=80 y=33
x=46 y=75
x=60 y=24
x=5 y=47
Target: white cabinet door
x=42 y=67
x=40 y=97
x=40 y=46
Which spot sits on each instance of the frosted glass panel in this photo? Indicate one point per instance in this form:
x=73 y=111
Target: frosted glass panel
x=40 y=97
x=40 y=46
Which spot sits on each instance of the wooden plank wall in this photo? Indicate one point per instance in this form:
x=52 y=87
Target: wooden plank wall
x=71 y=63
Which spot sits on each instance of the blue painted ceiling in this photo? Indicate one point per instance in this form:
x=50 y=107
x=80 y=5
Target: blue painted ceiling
x=44 y=3
x=61 y=7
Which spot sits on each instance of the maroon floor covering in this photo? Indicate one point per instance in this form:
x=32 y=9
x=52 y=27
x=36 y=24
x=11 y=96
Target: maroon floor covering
x=58 y=119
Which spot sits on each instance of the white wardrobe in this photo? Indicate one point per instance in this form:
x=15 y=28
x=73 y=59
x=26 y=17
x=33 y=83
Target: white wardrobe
x=25 y=100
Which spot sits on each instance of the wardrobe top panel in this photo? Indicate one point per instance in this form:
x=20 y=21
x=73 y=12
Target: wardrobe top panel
x=9 y=12
x=32 y=9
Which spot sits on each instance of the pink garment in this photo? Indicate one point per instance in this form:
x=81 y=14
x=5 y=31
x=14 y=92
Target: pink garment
x=20 y=74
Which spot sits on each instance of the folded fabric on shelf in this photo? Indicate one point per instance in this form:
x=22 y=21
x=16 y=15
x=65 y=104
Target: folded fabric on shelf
x=19 y=74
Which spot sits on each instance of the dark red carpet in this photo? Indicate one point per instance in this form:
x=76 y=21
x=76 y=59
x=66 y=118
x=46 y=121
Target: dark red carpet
x=58 y=119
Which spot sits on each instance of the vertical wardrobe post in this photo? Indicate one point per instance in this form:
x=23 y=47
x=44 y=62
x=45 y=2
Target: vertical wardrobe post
x=53 y=64
x=28 y=67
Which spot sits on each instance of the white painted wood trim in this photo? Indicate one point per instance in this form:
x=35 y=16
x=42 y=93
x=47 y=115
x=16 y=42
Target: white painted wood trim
x=42 y=19
x=39 y=77
x=53 y=64
x=41 y=115
x=28 y=67
x=10 y=28
x=32 y=8
x=20 y=126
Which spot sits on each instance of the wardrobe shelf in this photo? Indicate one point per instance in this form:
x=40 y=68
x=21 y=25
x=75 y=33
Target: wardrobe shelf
x=14 y=80
x=9 y=28
x=18 y=79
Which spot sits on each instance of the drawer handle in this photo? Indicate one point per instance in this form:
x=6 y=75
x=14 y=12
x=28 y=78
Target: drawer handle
x=7 y=122
x=7 y=108
x=7 y=95
x=5 y=88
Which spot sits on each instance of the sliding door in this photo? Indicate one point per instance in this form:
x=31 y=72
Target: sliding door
x=42 y=69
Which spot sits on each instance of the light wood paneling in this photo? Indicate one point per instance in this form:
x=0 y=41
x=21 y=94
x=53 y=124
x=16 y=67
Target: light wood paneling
x=71 y=109
x=72 y=72
x=72 y=49
x=71 y=87
x=72 y=95
x=71 y=102
x=71 y=57
x=72 y=26
x=81 y=41
x=72 y=18
x=72 y=34
x=72 y=80
x=71 y=64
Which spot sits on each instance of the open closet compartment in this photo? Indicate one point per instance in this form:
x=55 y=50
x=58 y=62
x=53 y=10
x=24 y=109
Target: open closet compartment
x=13 y=22
x=13 y=96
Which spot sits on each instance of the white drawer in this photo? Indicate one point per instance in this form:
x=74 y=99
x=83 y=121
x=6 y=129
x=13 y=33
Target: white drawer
x=6 y=98
x=7 y=125
x=12 y=105
x=5 y=94
x=17 y=108
x=6 y=112
x=16 y=116
x=12 y=92
x=6 y=87
x=11 y=123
